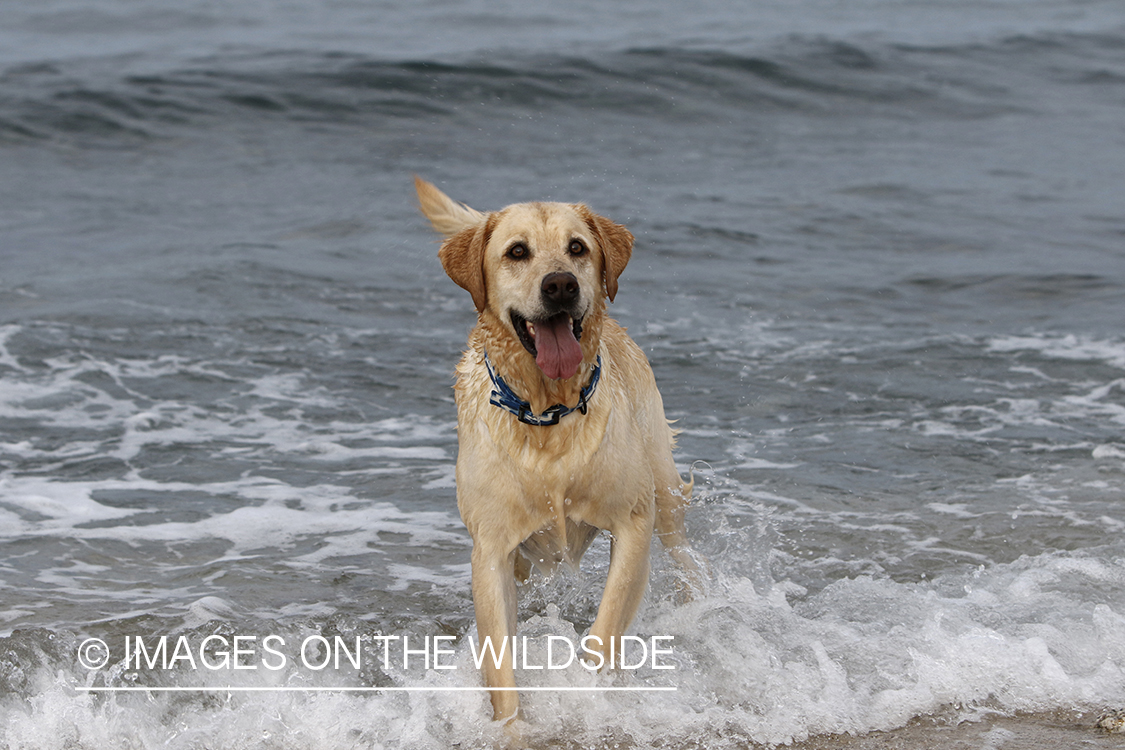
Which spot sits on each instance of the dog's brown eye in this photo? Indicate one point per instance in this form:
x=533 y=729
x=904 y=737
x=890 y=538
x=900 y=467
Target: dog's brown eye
x=517 y=252
x=577 y=248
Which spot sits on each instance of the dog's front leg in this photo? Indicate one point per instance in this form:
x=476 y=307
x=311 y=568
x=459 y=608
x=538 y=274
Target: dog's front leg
x=627 y=580
x=494 y=599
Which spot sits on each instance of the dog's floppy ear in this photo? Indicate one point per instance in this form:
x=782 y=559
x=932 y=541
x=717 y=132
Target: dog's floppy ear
x=616 y=243
x=466 y=232
x=462 y=257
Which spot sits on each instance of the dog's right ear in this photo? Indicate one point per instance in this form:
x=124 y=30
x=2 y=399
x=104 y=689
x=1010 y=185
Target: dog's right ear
x=462 y=257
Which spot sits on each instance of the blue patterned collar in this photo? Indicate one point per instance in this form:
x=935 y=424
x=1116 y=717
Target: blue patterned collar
x=504 y=397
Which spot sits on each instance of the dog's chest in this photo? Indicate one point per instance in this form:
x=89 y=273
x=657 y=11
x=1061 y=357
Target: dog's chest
x=560 y=494
x=555 y=455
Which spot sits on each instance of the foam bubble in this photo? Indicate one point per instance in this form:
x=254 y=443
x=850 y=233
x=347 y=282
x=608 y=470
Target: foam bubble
x=1108 y=451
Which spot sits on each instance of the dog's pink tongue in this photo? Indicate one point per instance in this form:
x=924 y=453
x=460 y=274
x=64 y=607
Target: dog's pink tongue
x=556 y=350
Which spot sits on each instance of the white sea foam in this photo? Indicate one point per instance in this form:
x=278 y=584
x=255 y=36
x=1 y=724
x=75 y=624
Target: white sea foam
x=268 y=419
x=1108 y=451
x=6 y=357
x=276 y=514
x=1050 y=406
x=751 y=666
x=1067 y=347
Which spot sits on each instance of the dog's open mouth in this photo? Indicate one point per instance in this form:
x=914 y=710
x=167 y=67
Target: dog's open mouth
x=553 y=342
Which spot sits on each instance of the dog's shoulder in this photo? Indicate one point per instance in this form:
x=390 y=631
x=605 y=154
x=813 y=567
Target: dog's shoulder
x=626 y=365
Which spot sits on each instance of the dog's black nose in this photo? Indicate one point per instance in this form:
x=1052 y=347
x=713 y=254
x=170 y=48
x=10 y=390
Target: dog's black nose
x=560 y=288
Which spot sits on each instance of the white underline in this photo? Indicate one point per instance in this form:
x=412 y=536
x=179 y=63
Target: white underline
x=236 y=689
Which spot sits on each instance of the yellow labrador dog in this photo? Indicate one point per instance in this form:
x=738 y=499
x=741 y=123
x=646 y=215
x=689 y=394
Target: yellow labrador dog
x=561 y=429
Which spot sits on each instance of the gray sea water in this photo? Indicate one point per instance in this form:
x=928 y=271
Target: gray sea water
x=879 y=273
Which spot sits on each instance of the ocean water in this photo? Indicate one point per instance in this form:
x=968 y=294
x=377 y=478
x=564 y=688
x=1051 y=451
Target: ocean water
x=879 y=273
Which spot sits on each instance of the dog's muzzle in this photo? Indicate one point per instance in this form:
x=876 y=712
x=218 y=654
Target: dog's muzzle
x=553 y=339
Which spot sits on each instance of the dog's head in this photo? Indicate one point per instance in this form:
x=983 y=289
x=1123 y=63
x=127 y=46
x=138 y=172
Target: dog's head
x=540 y=268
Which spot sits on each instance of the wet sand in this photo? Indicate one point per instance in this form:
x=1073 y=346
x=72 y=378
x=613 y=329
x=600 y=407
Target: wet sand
x=1050 y=731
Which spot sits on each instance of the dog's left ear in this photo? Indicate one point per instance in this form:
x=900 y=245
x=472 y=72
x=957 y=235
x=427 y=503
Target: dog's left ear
x=616 y=243
x=462 y=257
